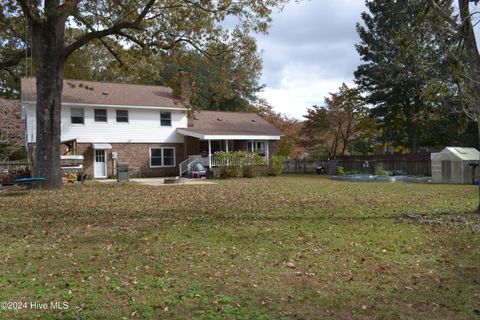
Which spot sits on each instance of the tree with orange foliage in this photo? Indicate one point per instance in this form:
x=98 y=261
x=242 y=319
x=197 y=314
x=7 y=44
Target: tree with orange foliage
x=289 y=144
x=343 y=119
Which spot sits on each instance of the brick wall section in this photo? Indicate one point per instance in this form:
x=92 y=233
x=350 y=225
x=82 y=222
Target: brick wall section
x=192 y=146
x=136 y=155
x=12 y=127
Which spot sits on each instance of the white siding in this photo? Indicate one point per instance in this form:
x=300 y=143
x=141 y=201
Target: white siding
x=143 y=126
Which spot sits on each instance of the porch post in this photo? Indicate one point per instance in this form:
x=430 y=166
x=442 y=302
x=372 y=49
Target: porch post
x=226 y=145
x=267 y=151
x=210 y=154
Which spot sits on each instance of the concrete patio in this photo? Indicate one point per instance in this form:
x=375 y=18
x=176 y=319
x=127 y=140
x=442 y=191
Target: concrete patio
x=161 y=181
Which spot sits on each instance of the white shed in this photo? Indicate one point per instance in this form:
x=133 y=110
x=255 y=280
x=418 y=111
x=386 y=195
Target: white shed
x=455 y=165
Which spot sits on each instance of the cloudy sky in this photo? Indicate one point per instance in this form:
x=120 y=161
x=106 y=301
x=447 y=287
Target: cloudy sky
x=309 y=52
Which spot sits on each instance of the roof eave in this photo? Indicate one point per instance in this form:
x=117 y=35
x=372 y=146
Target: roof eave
x=76 y=104
x=203 y=136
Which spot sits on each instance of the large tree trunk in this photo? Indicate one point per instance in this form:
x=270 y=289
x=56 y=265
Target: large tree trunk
x=478 y=168
x=473 y=56
x=49 y=41
x=47 y=151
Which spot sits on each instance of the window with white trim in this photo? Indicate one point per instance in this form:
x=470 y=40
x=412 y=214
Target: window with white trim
x=100 y=115
x=122 y=116
x=166 y=119
x=77 y=116
x=162 y=157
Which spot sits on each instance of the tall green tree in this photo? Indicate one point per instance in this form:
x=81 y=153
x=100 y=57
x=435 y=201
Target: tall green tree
x=228 y=83
x=149 y=24
x=404 y=48
x=469 y=84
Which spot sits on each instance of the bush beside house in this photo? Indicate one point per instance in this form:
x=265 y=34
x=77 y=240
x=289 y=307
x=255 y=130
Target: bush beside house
x=247 y=165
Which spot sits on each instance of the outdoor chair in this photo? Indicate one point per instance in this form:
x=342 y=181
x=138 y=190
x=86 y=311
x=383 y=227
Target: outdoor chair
x=198 y=171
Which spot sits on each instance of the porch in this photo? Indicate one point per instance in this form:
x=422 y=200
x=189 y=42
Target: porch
x=214 y=152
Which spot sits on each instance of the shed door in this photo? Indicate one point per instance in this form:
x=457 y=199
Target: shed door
x=446 y=170
x=100 y=164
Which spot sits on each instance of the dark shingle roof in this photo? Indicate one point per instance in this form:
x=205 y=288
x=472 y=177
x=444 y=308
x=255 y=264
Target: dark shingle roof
x=230 y=123
x=105 y=93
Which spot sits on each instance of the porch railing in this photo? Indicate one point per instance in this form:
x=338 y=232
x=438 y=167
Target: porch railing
x=217 y=161
x=186 y=166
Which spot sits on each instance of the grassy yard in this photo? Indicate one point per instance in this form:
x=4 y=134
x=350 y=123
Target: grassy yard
x=292 y=247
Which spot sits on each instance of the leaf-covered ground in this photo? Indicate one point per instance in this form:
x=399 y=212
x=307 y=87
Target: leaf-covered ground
x=293 y=247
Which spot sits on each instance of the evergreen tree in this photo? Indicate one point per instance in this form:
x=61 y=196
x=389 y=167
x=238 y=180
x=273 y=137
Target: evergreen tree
x=405 y=48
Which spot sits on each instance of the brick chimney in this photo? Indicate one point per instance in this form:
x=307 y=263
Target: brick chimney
x=183 y=87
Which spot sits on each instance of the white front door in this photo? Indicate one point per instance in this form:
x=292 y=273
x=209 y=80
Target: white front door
x=100 y=164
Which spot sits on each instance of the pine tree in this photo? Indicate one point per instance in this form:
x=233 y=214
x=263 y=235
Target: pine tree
x=404 y=46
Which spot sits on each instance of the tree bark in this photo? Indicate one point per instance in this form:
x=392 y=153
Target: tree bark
x=48 y=39
x=478 y=168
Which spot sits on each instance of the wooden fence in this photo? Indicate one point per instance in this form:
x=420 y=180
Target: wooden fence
x=411 y=164
x=310 y=166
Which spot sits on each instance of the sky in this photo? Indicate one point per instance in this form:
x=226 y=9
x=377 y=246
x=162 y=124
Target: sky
x=308 y=53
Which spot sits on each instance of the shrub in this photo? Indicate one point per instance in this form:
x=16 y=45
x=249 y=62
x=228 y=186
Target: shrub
x=380 y=171
x=239 y=164
x=340 y=170
x=249 y=172
x=276 y=165
x=18 y=154
x=226 y=172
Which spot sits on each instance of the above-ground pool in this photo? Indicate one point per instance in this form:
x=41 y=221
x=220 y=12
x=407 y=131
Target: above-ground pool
x=372 y=178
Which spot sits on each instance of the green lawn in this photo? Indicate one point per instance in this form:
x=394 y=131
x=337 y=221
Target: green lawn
x=291 y=247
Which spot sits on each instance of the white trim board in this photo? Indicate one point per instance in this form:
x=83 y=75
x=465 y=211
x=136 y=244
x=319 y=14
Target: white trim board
x=103 y=146
x=118 y=106
x=227 y=137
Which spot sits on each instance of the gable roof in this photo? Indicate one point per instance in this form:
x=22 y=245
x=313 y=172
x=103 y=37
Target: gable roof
x=107 y=94
x=467 y=154
x=205 y=124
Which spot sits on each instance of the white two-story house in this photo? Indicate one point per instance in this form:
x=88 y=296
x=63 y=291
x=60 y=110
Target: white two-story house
x=144 y=126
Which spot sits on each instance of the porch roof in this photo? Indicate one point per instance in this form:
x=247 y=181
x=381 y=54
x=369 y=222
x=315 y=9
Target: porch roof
x=205 y=134
x=221 y=125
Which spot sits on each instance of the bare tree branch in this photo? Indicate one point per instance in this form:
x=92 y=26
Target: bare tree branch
x=113 y=53
x=15 y=59
x=115 y=29
x=31 y=13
